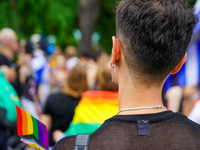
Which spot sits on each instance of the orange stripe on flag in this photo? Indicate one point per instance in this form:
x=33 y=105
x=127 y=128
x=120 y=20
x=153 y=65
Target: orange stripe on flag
x=106 y=95
x=24 y=123
x=98 y=101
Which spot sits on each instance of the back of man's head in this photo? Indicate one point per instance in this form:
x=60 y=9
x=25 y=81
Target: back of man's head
x=6 y=34
x=154 y=35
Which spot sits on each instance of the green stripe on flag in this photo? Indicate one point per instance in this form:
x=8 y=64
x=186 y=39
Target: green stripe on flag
x=35 y=127
x=82 y=128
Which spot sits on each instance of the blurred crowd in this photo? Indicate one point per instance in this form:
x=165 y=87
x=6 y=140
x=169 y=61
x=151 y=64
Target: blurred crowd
x=39 y=72
x=48 y=82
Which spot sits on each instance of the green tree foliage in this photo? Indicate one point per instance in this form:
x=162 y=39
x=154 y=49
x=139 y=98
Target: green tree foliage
x=106 y=24
x=57 y=17
x=192 y=2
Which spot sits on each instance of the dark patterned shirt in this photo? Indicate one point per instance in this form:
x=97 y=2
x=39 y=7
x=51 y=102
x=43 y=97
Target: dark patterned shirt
x=168 y=131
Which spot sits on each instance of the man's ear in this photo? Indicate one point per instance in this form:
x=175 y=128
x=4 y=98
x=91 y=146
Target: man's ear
x=178 y=67
x=116 y=50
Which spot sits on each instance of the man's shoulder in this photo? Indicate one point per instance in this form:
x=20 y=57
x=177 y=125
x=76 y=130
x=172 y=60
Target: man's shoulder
x=67 y=143
x=185 y=120
x=187 y=125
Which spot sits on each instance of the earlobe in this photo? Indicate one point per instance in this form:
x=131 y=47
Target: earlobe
x=178 y=67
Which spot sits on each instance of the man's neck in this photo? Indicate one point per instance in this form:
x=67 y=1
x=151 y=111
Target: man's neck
x=7 y=53
x=131 y=96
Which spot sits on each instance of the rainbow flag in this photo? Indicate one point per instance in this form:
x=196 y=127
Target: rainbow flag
x=93 y=109
x=31 y=130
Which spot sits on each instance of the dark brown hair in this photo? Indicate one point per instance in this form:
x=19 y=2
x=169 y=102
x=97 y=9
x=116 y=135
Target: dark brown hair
x=154 y=35
x=104 y=77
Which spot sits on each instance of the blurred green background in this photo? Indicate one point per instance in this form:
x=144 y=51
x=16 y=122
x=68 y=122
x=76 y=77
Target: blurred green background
x=60 y=18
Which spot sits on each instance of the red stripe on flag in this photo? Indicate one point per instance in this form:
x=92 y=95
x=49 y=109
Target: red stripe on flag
x=19 y=120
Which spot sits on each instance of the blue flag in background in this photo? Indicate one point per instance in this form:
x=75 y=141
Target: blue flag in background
x=189 y=75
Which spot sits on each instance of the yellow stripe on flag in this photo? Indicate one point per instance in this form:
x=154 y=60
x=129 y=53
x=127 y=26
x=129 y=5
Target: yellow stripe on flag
x=89 y=113
x=30 y=124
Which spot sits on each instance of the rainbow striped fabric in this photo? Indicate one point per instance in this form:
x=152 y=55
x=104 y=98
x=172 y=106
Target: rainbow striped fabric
x=93 y=109
x=31 y=130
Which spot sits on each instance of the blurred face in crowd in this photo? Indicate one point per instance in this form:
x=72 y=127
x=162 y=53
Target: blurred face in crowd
x=14 y=43
x=9 y=40
x=70 y=51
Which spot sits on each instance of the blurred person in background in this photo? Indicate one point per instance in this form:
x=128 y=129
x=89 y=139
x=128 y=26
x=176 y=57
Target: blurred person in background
x=173 y=97
x=41 y=67
x=71 y=57
x=28 y=98
x=181 y=99
x=58 y=73
x=95 y=106
x=189 y=104
x=8 y=48
x=8 y=114
x=188 y=99
x=101 y=56
x=59 y=108
x=194 y=114
x=9 y=69
x=88 y=60
x=57 y=51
